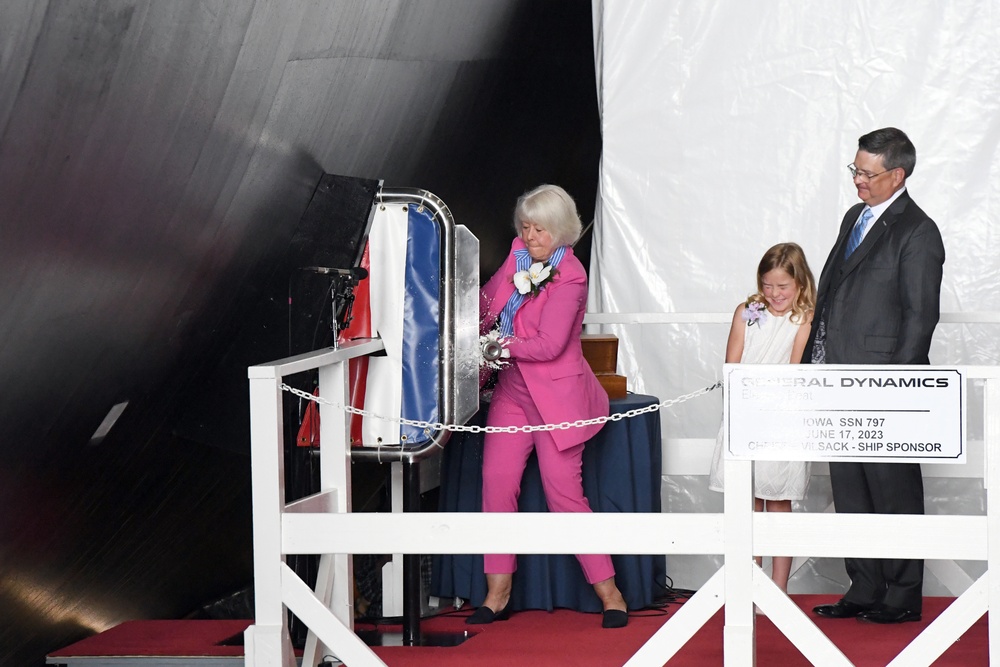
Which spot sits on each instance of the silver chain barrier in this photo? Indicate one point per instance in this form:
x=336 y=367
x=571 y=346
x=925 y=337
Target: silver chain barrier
x=466 y=428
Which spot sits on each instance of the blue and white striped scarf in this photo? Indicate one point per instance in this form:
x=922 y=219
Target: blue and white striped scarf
x=516 y=299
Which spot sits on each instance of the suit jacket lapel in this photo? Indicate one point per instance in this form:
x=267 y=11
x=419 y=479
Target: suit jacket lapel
x=833 y=272
x=879 y=227
x=537 y=301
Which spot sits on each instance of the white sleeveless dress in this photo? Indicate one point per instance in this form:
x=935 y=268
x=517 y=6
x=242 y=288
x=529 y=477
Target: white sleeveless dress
x=772 y=480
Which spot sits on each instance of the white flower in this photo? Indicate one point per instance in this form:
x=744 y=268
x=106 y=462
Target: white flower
x=523 y=281
x=538 y=272
x=531 y=281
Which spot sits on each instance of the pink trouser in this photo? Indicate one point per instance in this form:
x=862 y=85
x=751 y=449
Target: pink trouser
x=505 y=456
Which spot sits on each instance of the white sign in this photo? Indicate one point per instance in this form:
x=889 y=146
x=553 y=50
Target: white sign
x=903 y=414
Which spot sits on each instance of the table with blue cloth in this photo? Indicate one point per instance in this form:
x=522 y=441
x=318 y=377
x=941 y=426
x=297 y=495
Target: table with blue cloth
x=621 y=473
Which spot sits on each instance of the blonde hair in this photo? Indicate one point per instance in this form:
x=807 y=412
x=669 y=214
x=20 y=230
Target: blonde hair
x=551 y=208
x=789 y=258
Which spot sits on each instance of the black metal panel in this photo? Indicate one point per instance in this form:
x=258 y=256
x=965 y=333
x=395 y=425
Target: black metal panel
x=335 y=226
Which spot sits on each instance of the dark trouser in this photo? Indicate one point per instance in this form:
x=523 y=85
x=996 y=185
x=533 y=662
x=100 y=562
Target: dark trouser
x=881 y=488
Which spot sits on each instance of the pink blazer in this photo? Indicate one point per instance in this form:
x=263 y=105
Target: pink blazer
x=546 y=344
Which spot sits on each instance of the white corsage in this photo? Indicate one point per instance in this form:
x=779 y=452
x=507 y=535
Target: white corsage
x=531 y=281
x=755 y=312
x=493 y=353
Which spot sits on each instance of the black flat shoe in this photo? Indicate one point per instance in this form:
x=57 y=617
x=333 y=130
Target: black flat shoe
x=841 y=609
x=614 y=618
x=886 y=615
x=484 y=615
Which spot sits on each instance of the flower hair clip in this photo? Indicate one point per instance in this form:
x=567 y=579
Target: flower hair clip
x=531 y=281
x=755 y=313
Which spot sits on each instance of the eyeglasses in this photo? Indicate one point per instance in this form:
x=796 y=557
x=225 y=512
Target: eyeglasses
x=864 y=175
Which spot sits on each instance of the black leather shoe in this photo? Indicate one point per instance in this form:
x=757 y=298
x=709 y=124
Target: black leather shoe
x=614 y=618
x=841 y=609
x=884 y=614
x=484 y=615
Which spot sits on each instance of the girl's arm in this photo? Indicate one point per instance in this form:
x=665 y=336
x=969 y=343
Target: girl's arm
x=737 y=335
x=801 y=337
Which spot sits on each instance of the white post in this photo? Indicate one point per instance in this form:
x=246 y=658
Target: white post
x=991 y=435
x=739 y=641
x=335 y=475
x=739 y=632
x=267 y=640
x=335 y=576
x=392 y=572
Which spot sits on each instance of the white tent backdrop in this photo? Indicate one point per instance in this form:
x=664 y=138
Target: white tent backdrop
x=727 y=128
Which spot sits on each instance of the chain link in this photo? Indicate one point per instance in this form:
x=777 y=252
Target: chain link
x=467 y=428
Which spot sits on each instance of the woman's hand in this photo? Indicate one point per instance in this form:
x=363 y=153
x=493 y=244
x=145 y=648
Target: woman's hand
x=493 y=350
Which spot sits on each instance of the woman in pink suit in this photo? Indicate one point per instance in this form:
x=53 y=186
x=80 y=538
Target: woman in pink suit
x=537 y=301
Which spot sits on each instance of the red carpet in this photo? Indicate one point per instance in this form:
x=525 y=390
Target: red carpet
x=561 y=638
x=160 y=639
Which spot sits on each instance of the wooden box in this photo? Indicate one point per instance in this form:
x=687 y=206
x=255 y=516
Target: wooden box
x=601 y=352
x=613 y=384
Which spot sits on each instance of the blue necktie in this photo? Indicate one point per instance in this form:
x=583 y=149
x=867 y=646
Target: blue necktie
x=858 y=233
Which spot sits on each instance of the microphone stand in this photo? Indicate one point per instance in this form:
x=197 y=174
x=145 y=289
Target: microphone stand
x=341 y=293
x=342 y=284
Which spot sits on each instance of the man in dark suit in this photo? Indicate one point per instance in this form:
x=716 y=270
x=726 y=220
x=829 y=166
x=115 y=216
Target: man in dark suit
x=878 y=303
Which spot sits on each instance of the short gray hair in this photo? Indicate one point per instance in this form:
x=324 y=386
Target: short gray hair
x=894 y=146
x=551 y=208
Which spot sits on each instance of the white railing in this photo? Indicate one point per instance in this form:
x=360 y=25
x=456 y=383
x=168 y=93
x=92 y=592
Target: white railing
x=323 y=524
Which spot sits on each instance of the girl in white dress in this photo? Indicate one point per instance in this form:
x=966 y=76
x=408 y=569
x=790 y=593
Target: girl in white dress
x=772 y=327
